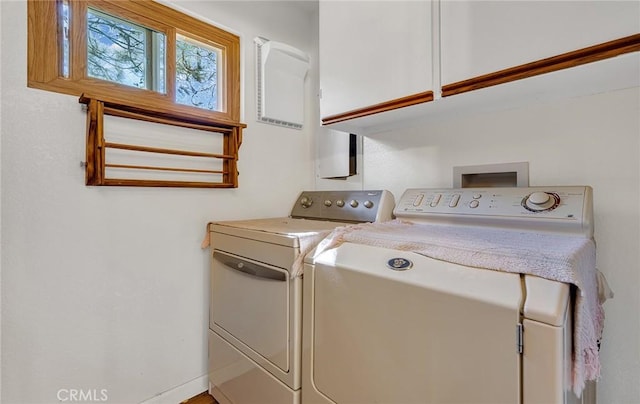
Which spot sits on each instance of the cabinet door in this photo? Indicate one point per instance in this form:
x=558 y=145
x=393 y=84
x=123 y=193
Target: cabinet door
x=481 y=37
x=372 y=52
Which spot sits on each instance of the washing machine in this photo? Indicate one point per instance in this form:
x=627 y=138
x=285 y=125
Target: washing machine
x=485 y=295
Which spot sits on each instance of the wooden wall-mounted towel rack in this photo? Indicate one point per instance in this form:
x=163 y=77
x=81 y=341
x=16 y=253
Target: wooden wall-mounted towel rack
x=204 y=156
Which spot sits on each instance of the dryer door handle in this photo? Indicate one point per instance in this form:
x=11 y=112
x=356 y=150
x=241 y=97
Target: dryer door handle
x=250 y=268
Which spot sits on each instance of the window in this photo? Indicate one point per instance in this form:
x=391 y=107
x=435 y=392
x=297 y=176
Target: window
x=124 y=53
x=137 y=52
x=197 y=74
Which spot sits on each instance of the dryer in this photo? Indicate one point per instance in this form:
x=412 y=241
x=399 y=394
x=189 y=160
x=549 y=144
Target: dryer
x=255 y=311
x=470 y=296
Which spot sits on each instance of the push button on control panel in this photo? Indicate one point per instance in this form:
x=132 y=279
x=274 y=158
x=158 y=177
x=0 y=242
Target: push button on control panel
x=435 y=200
x=454 y=201
x=474 y=203
x=418 y=200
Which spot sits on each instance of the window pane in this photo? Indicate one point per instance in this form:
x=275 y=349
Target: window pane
x=158 y=68
x=64 y=34
x=197 y=74
x=125 y=53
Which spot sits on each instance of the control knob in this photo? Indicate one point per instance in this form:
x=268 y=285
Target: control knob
x=354 y=203
x=327 y=203
x=368 y=204
x=340 y=203
x=541 y=201
x=306 y=202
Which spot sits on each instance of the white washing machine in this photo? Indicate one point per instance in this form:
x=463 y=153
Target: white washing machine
x=447 y=304
x=255 y=320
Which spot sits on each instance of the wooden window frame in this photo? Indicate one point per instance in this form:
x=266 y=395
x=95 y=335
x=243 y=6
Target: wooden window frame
x=44 y=69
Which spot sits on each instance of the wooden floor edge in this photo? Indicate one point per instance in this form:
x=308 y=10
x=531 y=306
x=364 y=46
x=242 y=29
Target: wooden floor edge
x=202 y=398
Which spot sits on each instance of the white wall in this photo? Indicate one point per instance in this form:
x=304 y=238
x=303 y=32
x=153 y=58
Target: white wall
x=592 y=140
x=1 y=39
x=107 y=288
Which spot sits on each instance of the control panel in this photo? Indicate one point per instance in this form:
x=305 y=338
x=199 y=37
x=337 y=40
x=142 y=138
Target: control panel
x=554 y=209
x=344 y=206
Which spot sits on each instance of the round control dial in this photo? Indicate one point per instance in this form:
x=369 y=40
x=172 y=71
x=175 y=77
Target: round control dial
x=368 y=204
x=340 y=203
x=354 y=203
x=541 y=201
x=306 y=202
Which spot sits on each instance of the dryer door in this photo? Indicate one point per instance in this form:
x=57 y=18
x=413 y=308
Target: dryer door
x=250 y=307
x=433 y=333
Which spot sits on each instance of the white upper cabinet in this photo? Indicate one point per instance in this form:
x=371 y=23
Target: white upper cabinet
x=381 y=62
x=482 y=37
x=373 y=52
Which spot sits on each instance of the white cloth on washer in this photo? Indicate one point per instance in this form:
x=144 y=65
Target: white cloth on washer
x=307 y=243
x=560 y=257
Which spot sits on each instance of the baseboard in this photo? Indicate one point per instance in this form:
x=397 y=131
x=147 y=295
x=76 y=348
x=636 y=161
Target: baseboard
x=182 y=392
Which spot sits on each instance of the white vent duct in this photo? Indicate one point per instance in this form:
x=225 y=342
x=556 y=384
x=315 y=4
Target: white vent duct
x=281 y=72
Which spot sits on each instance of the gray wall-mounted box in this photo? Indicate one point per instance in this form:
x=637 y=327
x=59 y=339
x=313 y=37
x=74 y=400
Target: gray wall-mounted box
x=491 y=175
